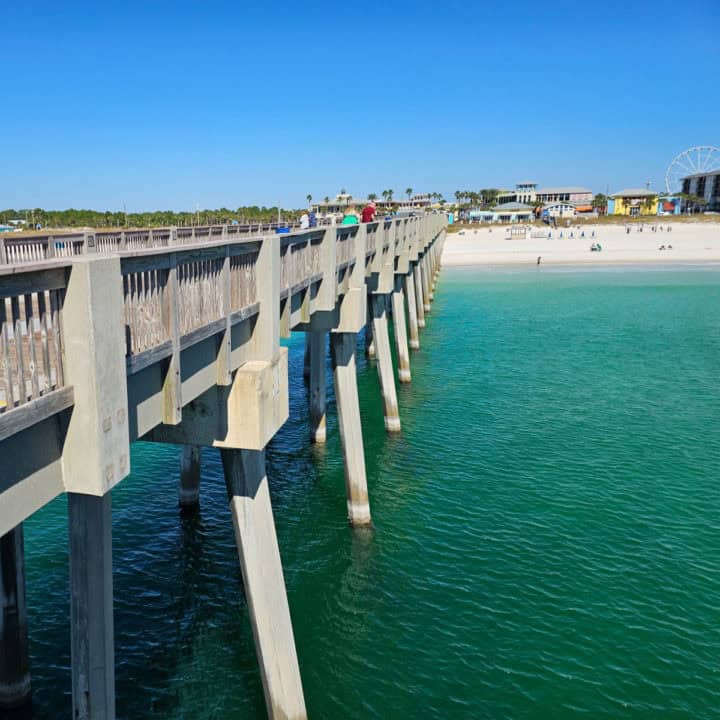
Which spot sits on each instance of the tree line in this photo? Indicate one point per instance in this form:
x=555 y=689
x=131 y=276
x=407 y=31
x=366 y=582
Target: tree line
x=157 y=218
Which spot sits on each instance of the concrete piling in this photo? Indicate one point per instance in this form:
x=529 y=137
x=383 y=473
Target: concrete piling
x=14 y=660
x=369 y=336
x=419 y=296
x=384 y=363
x=427 y=294
x=306 y=360
x=414 y=340
x=401 y=341
x=342 y=352
x=189 y=492
x=249 y=500
x=91 y=607
x=318 y=424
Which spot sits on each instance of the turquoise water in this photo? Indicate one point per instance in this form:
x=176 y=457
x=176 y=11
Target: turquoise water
x=547 y=527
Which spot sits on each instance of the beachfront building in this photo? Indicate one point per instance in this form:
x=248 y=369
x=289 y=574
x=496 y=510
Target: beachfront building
x=633 y=202
x=560 y=210
x=669 y=205
x=506 y=213
x=706 y=186
x=528 y=193
x=569 y=194
x=420 y=201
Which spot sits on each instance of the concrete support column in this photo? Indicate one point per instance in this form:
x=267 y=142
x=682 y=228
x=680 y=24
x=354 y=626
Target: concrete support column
x=306 y=359
x=14 y=660
x=369 y=338
x=412 y=312
x=189 y=494
x=257 y=545
x=384 y=363
x=318 y=428
x=427 y=292
x=91 y=606
x=419 y=296
x=401 y=342
x=342 y=353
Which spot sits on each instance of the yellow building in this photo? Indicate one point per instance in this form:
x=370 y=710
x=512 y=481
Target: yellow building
x=633 y=202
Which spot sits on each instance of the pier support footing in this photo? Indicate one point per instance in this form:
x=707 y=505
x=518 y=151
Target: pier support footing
x=342 y=352
x=249 y=499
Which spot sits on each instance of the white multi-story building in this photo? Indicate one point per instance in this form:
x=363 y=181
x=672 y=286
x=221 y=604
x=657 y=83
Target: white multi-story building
x=528 y=192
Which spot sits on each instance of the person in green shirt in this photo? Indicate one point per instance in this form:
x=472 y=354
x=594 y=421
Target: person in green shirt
x=351 y=217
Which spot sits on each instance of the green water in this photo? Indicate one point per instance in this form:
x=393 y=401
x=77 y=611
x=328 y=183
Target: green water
x=547 y=527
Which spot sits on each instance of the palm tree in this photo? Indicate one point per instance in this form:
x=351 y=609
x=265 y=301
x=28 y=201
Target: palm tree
x=326 y=199
x=309 y=198
x=372 y=197
x=648 y=203
x=408 y=192
x=599 y=202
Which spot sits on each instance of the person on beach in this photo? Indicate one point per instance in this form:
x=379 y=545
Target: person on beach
x=350 y=217
x=368 y=212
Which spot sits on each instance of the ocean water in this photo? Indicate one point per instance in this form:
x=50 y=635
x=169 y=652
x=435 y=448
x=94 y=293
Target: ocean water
x=546 y=540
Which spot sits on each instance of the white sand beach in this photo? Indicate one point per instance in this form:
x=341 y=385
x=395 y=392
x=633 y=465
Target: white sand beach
x=692 y=244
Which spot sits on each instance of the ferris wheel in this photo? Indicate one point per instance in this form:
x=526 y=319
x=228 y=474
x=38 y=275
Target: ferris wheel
x=699 y=159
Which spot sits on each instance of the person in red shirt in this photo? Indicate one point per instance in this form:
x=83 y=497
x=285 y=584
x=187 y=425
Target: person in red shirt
x=368 y=213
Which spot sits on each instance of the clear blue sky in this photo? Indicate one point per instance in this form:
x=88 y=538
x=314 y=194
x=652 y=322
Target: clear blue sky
x=168 y=104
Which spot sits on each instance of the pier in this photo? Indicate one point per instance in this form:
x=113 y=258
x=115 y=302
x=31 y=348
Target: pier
x=173 y=335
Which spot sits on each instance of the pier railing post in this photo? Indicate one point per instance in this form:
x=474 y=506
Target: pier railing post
x=14 y=660
x=91 y=607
